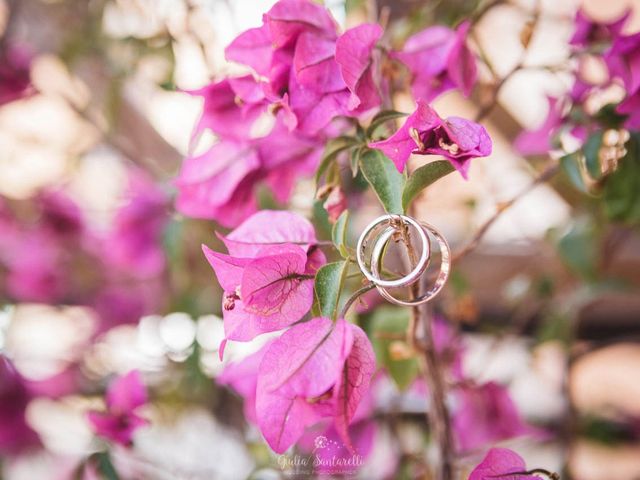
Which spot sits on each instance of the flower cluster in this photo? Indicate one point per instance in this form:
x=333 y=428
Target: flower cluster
x=307 y=79
x=315 y=369
x=125 y=395
x=45 y=239
x=575 y=111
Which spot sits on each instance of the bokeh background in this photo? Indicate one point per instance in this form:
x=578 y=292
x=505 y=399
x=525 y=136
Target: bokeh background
x=99 y=275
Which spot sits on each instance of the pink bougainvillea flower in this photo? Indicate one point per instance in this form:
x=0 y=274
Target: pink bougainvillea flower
x=630 y=106
x=253 y=48
x=224 y=112
x=262 y=294
x=269 y=227
x=502 y=463
x=124 y=396
x=15 y=433
x=589 y=31
x=425 y=133
x=15 y=80
x=439 y=60
x=538 y=141
x=60 y=215
x=315 y=63
x=355 y=55
x=217 y=184
x=315 y=369
x=287 y=19
x=486 y=414
x=134 y=242
x=623 y=60
x=285 y=157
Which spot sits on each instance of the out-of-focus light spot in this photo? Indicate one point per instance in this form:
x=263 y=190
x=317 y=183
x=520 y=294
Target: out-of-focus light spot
x=31 y=330
x=178 y=331
x=61 y=425
x=149 y=339
x=210 y=332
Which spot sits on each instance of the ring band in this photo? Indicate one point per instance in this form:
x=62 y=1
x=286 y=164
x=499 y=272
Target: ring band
x=421 y=265
x=443 y=275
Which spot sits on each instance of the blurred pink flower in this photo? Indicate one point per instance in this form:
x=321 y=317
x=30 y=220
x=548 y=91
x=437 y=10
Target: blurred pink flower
x=425 y=133
x=335 y=203
x=15 y=434
x=589 y=31
x=486 y=414
x=15 y=80
x=135 y=240
x=538 y=141
x=124 y=396
x=316 y=369
x=501 y=463
x=439 y=60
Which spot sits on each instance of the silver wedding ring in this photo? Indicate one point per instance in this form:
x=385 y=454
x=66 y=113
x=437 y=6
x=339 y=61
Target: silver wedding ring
x=383 y=230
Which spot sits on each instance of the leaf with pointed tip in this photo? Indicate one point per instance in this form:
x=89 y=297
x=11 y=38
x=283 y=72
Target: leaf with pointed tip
x=331 y=152
x=354 y=160
x=422 y=177
x=570 y=165
x=328 y=286
x=386 y=322
x=339 y=233
x=384 y=178
x=381 y=118
x=591 y=150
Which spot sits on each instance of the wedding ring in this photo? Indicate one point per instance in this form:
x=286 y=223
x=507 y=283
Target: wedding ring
x=394 y=224
x=443 y=275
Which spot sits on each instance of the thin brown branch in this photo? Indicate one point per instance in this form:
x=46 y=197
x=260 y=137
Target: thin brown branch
x=438 y=413
x=357 y=294
x=545 y=175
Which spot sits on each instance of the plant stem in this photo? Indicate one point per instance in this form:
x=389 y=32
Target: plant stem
x=437 y=413
x=354 y=297
x=545 y=175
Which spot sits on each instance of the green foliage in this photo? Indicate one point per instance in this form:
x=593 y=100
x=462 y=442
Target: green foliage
x=380 y=119
x=621 y=192
x=422 y=177
x=328 y=285
x=591 y=150
x=333 y=149
x=384 y=178
x=578 y=249
x=392 y=321
x=571 y=167
x=339 y=233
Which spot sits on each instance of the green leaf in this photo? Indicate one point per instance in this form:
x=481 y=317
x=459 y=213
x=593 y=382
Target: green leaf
x=386 y=321
x=621 y=193
x=591 y=149
x=570 y=165
x=105 y=466
x=339 y=233
x=422 y=177
x=384 y=178
x=331 y=152
x=328 y=286
x=579 y=250
x=381 y=118
x=354 y=160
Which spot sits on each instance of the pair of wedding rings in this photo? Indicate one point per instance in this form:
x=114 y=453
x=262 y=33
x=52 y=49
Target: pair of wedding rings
x=378 y=233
